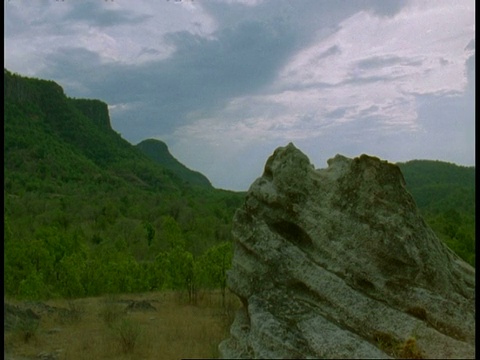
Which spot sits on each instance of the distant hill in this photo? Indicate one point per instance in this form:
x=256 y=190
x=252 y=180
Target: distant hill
x=87 y=213
x=40 y=118
x=437 y=184
x=158 y=151
x=445 y=194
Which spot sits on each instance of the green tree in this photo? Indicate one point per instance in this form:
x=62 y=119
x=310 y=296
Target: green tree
x=71 y=272
x=213 y=267
x=172 y=233
x=33 y=287
x=150 y=230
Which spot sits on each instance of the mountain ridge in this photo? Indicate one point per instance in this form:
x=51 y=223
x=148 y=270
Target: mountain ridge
x=84 y=126
x=70 y=177
x=158 y=151
x=87 y=213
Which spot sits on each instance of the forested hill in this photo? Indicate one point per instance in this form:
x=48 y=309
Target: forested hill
x=158 y=151
x=445 y=194
x=87 y=213
x=437 y=184
x=38 y=109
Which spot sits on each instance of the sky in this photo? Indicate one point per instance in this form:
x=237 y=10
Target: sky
x=226 y=82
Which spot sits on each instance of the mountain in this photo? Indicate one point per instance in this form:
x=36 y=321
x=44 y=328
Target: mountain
x=44 y=129
x=437 y=184
x=87 y=213
x=158 y=151
x=445 y=194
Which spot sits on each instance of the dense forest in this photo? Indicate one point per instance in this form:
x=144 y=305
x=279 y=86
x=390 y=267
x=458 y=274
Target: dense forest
x=445 y=195
x=86 y=213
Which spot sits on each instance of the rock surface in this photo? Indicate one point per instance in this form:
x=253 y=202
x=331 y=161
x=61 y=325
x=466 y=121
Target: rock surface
x=15 y=317
x=338 y=263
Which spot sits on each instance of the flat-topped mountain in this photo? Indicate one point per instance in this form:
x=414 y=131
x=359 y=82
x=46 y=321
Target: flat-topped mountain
x=87 y=213
x=41 y=120
x=339 y=263
x=158 y=151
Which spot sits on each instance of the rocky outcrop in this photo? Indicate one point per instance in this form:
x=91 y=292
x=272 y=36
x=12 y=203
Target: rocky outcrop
x=15 y=317
x=95 y=110
x=338 y=263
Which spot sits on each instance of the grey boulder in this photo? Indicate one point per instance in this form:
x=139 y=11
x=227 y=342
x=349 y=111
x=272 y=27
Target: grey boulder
x=338 y=263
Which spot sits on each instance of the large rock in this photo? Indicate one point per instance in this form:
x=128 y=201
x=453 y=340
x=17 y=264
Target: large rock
x=338 y=263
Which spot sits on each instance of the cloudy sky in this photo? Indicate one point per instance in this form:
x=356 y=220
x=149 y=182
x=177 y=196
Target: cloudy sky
x=225 y=82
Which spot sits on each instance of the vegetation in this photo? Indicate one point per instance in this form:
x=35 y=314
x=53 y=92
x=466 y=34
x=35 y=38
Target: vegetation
x=173 y=330
x=158 y=151
x=445 y=195
x=86 y=213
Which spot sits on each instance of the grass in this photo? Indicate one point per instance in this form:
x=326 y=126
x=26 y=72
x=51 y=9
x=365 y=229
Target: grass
x=101 y=329
x=127 y=333
x=26 y=330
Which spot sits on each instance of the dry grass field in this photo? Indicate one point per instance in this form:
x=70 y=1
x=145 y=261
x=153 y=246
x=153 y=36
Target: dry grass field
x=109 y=328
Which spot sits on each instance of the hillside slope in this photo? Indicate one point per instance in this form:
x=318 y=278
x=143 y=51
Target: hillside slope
x=158 y=151
x=445 y=194
x=88 y=213
x=38 y=109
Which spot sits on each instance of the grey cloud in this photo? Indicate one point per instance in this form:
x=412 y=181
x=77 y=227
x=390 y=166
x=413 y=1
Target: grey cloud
x=470 y=72
x=337 y=113
x=201 y=73
x=369 y=110
x=387 y=8
x=443 y=61
x=67 y=62
x=469 y=108
x=21 y=20
x=333 y=50
x=378 y=62
x=309 y=18
x=359 y=80
x=448 y=118
x=149 y=51
x=408 y=62
x=95 y=14
x=470 y=45
x=242 y=57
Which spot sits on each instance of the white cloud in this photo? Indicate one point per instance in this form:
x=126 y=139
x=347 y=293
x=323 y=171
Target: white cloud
x=124 y=31
x=212 y=80
x=358 y=86
x=406 y=50
x=120 y=107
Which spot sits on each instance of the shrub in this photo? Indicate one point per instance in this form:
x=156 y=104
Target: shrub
x=27 y=329
x=410 y=350
x=74 y=313
x=111 y=313
x=127 y=334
